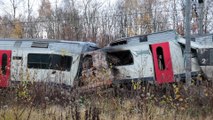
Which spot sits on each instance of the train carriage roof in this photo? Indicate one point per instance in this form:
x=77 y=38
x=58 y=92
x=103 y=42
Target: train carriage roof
x=56 y=45
x=197 y=42
x=169 y=35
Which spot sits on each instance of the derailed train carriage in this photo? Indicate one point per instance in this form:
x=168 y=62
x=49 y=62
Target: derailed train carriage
x=155 y=58
x=41 y=61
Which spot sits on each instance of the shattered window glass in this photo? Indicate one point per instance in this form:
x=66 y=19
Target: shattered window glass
x=120 y=58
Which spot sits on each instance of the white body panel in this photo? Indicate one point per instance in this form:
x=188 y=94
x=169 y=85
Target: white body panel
x=177 y=58
x=142 y=66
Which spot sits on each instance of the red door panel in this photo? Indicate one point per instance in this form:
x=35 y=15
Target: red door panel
x=5 y=61
x=162 y=63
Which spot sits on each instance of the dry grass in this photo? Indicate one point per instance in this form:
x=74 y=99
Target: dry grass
x=147 y=103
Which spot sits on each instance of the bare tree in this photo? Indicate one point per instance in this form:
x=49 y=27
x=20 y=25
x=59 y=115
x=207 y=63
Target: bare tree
x=14 y=4
x=45 y=19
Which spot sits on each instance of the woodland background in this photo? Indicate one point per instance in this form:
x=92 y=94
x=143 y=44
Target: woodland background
x=99 y=21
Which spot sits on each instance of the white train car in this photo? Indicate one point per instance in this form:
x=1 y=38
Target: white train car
x=41 y=60
x=157 y=58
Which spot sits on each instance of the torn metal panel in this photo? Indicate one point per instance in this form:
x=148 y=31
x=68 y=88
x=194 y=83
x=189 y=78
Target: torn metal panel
x=120 y=58
x=130 y=61
x=95 y=68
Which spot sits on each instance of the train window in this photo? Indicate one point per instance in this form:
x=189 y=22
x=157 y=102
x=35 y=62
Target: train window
x=49 y=61
x=143 y=38
x=40 y=45
x=38 y=61
x=160 y=57
x=4 y=64
x=59 y=62
x=120 y=58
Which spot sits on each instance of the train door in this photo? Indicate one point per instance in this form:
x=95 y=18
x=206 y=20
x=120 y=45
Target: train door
x=5 y=58
x=162 y=63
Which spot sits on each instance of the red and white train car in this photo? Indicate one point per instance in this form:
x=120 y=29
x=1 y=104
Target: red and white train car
x=156 y=58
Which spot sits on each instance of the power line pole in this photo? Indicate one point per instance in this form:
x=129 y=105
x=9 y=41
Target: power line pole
x=188 y=42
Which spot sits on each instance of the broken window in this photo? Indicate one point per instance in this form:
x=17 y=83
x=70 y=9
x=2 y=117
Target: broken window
x=59 y=62
x=160 y=57
x=120 y=58
x=49 y=61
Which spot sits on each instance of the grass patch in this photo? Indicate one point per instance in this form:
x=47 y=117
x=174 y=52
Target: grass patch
x=37 y=102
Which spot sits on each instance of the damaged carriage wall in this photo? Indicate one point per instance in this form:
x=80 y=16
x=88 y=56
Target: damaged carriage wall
x=120 y=58
x=142 y=66
x=95 y=69
x=130 y=62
